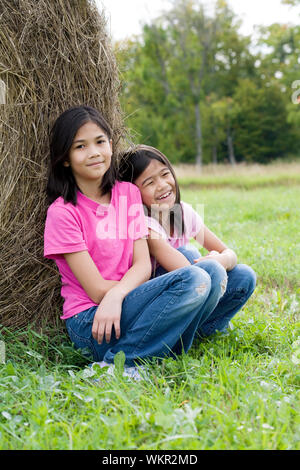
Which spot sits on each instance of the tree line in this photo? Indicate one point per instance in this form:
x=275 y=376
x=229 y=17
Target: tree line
x=200 y=91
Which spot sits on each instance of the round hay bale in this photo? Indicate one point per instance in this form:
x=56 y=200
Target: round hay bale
x=53 y=55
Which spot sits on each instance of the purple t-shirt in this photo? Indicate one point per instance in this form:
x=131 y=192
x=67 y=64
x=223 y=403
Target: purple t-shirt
x=107 y=232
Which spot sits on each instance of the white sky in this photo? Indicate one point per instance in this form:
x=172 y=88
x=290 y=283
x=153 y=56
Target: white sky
x=126 y=16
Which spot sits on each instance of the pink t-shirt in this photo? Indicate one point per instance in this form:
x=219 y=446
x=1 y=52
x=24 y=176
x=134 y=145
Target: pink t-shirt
x=107 y=232
x=193 y=223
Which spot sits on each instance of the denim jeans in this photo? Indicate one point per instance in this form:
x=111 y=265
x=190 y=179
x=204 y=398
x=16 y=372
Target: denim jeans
x=159 y=318
x=241 y=281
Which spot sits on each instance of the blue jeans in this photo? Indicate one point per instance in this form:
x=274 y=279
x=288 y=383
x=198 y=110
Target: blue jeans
x=159 y=318
x=241 y=281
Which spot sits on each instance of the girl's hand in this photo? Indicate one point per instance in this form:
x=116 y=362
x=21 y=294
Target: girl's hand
x=210 y=255
x=108 y=315
x=227 y=258
x=216 y=256
x=109 y=311
x=216 y=248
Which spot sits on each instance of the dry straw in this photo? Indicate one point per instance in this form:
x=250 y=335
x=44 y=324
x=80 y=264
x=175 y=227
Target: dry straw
x=53 y=54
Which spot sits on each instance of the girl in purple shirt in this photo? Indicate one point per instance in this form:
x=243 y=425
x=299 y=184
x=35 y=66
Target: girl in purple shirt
x=96 y=233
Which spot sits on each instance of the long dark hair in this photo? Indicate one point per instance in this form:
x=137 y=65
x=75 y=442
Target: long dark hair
x=61 y=181
x=132 y=164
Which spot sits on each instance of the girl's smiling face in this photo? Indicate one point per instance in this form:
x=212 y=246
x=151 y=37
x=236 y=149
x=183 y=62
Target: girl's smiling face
x=157 y=186
x=90 y=154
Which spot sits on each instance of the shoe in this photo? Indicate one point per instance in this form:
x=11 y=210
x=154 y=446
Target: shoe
x=131 y=372
x=136 y=373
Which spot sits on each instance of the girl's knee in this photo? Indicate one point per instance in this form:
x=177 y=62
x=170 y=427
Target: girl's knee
x=247 y=275
x=197 y=280
x=217 y=274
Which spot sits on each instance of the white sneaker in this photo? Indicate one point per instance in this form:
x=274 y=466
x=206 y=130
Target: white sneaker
x=110 y=367
x=132 y=372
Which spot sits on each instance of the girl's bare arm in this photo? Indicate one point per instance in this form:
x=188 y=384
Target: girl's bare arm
x=140 y=270
x=108 y=314
x=167 y=256
x=88 y=275
x=216 y=248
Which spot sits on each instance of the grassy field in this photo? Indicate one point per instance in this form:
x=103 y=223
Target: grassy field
x=240 y=176
x=238 y=391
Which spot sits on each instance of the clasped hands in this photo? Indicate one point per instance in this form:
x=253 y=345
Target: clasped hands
x=213 y=255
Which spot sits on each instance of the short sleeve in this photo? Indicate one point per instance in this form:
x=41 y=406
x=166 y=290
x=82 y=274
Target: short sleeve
x=137 y=222
x=154 y=225
x=193 y=222
x=63 y=232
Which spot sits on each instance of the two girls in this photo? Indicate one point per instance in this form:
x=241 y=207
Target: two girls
x=102 y=254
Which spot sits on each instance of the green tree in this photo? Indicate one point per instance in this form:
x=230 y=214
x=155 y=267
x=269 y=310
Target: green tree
x=152 y=108
x=280 y=65
x=260 y=122
x=181 y=58
x=218 y=129
x=291 y=2
x=194 y=88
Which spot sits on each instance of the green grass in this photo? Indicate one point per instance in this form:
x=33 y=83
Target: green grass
x=239 y=391
x=241 y=176
x=243 y=181
x=261 y=225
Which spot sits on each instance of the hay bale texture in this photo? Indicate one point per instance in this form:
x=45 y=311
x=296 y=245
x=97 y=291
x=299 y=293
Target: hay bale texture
x=53 y=54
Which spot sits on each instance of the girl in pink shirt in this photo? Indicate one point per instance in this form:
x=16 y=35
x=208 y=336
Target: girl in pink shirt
x=96 y=233
x=172 y=223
